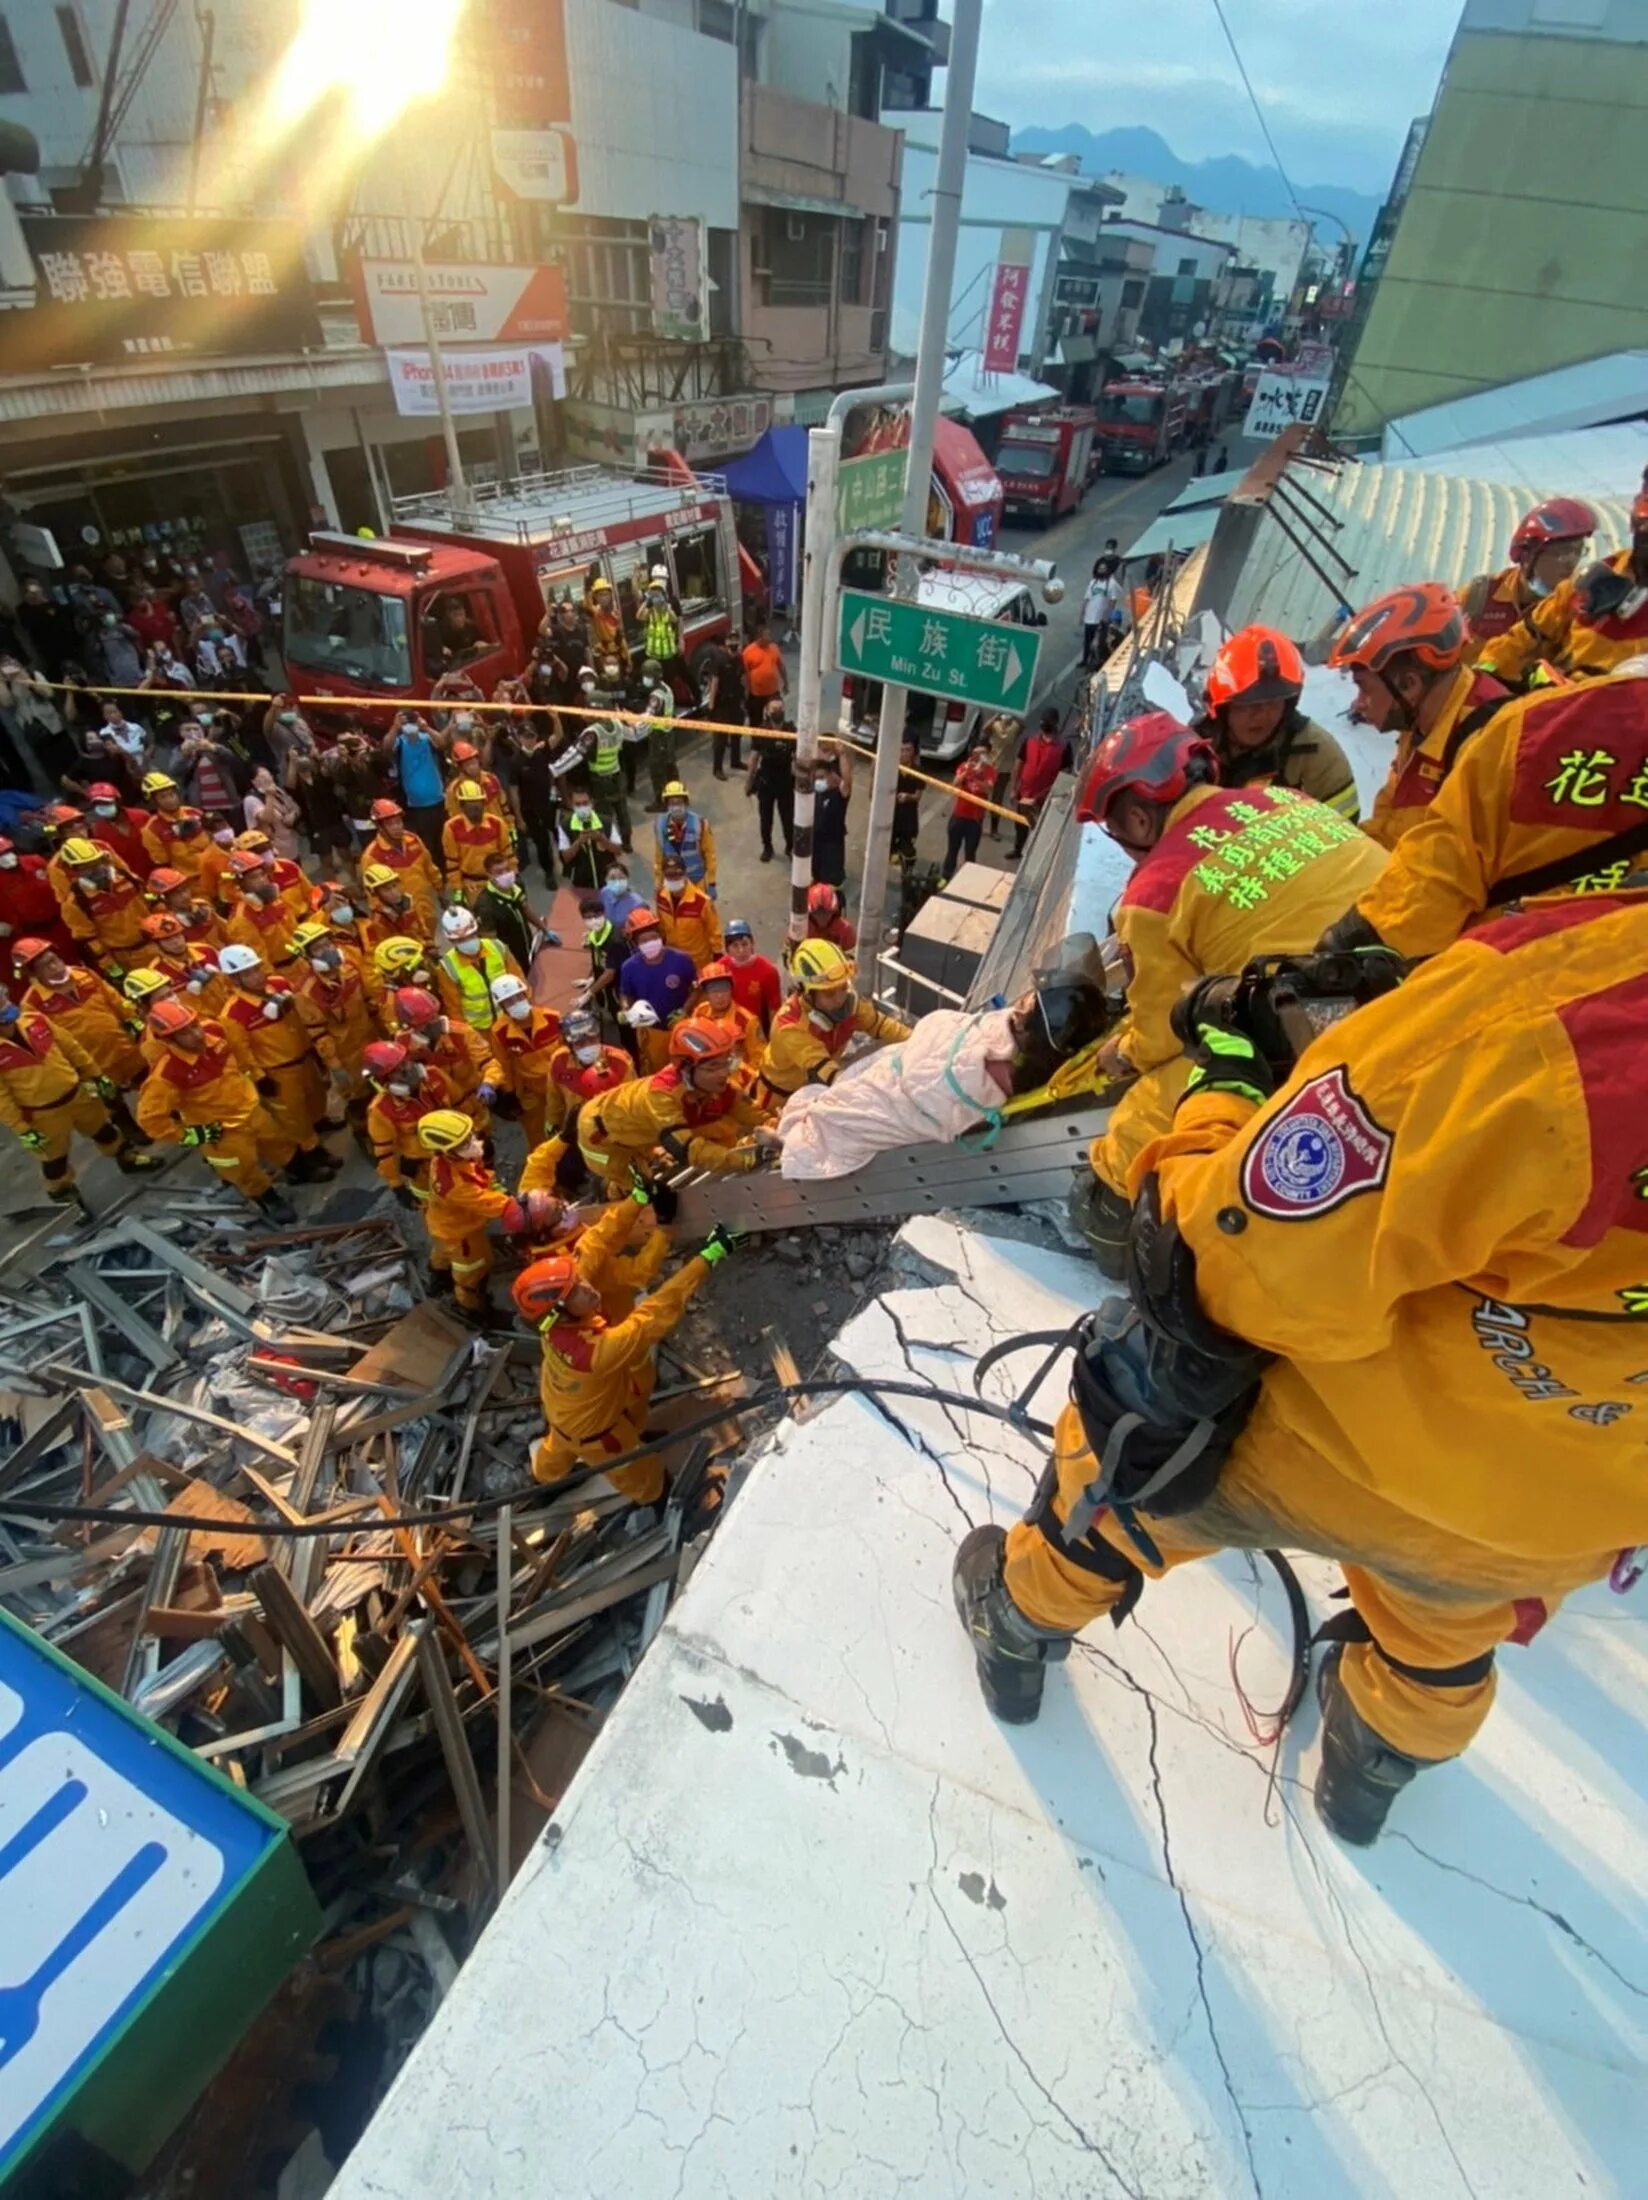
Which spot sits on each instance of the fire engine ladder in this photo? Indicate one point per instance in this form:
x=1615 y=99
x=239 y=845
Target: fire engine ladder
x=1034 y=1158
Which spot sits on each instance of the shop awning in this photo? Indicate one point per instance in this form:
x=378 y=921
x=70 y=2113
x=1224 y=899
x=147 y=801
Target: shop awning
x=972 y=394
x=757 y=194
x=773 y=471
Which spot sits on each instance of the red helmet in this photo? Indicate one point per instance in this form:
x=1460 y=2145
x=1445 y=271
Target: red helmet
x=383 y=808
x=823 y=900
x=464 y=752
x=1558 y=519
x=695 y=1039
x=541 y=1287
x=101 y=791
x=28 y=951
x=415 y=1006
x=382 y=1059
x=169 y=1017
x=1423 y=620
x=1153 y=757
x=639 y=921
x=1258 y=665
x=164 y=880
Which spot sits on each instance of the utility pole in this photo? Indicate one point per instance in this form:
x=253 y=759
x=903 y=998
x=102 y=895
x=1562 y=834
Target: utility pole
x=818 y=552
x=437 y=366
x=929 y=381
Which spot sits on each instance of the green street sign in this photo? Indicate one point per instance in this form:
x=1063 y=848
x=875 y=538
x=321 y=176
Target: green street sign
x=944 y=653
x=870 y=492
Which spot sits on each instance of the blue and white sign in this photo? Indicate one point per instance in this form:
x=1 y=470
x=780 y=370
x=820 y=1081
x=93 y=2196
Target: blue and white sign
x=783 y=546
x=116 y=1851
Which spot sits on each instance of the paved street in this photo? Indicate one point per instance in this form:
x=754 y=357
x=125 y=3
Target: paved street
x=1115 y=505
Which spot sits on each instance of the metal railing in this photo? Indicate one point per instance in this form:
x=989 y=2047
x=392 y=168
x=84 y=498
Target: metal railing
x=595 y=496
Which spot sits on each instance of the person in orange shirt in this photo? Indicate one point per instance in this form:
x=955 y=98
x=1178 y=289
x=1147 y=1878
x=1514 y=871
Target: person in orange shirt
x=200 y=1094
x=765 y=677
x=337 y=1012
x=1588 y=625
x=1406 y=654
x=975 y=777
x=112 y=825
x=264 y=918
x=716 y=1004
x=214 y=878
x=393 y=913
x=50 y=1088
x=273 y=1045
x=469 y=837
x=580 y=1068
x=161 y=826
x=686 y=914
x=524 y=1039
x=395 y=847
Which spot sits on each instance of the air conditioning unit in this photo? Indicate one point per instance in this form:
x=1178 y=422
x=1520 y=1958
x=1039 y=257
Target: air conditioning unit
x=795 y=228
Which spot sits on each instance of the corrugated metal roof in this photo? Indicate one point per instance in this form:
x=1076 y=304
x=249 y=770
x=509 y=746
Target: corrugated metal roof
x=1581 y=396
x=1589 y=462
x=1180 y=529
x=1393 y=524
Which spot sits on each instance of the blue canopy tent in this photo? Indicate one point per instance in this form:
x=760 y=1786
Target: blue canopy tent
x=773 y=474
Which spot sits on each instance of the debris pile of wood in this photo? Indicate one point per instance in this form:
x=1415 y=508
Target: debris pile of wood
x=412 y=1699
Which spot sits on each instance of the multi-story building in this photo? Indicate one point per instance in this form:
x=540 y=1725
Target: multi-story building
x=1272 y=245
x=1516 y=244
x=1187 y=285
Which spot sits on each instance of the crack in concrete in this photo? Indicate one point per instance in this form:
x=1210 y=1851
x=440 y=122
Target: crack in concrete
x=1528 y=1902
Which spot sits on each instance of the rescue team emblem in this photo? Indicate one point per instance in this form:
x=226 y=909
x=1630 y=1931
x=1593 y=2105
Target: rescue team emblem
x=1321 y=1150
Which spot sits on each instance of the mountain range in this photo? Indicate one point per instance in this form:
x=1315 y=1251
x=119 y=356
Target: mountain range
x=1227 y=185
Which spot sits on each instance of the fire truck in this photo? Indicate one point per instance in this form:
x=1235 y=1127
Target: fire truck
x=441 y=593
x=1141 y=424
x=1043 y=460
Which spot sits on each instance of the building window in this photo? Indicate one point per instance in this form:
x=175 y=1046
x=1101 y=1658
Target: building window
x=851 y=287
x=609 y=281
x=1187 y=267
x=1133 y=292
x=11 y=69
x=74 y=45
x=718 y=19
x=797 y=253
x=1076 y=290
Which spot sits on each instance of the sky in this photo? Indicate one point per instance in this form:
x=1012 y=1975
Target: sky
x=1339 y=85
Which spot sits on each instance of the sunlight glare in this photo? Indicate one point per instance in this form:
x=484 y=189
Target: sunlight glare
x=382 y=54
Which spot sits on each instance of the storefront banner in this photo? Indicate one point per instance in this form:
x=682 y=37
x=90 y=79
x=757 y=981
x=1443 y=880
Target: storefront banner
x=112 y=289
x=783 y=545
x=675 y=245
x=1007 y=300
x=494 y=304
x=477 y=381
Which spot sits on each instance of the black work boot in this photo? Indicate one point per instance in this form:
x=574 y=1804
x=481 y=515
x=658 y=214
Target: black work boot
x=130 y=1162
x=277 y=1210
x=1103 y=1218
x=1012 y=1652
x=1360 y=1775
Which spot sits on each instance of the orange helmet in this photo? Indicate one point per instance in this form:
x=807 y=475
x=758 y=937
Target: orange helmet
x=695 y=1039
x=383 y=808
x=28 y=951
x=1558 y=519
x=243 y=862
x=1424 y=621
x=1152 y=756
x=1258 y=665
x=162 y=926
x=169 y=1017
x=415 y=1006
x=464 y=752
x=719 y=969
x=164 y=880
x=541 y=1287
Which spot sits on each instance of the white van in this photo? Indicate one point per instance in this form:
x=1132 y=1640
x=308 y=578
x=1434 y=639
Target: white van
x=942 y=730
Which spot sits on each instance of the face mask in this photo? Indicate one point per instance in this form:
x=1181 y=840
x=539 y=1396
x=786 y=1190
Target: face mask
x=325 y=958
x=340 y=913
x=8 y=863
x=652 y=948
x=581 y=809
x=518 y=1010
x=678 y=809
x=400 y=1088
x=675 y=888
x=100 y=881
x=469 y=947
x=503 y=880
x=584 y=1054
x=263 y=892
x=821 y=786
x=287 y=718
x=105 y=809
x=618 y=881
x=271 y=1010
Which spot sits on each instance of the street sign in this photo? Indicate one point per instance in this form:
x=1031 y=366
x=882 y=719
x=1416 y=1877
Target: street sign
x=1284 y=400
x=870 y=491
x=945 y=653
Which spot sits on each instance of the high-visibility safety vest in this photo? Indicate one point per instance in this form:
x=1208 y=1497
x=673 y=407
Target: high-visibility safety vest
x=690 y=846
x=609 y=744
x=473 y=976
x=661 y=635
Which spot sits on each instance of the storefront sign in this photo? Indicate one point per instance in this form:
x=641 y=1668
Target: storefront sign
x=675 y=245
x=720 y=427
x=1008 y=294
x=541 y=165
x=1284 y=401
x=520 y=46
x=468 y=304
x=112 y=289
x=476 y=381
x=783 y=547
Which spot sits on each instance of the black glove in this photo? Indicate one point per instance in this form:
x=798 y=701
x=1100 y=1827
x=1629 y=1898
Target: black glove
x=403 y=1196
x=267 y=1088
x=1348 y=934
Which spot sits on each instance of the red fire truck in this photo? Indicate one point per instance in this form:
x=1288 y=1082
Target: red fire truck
x=1141 y=424
x=1043 y=460
x=440 y=593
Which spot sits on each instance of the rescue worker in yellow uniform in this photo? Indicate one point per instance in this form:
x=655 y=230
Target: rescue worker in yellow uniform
x=102 y=904
x=523 y=1041
x=394 y=847
x=191 y=971
x=463 y=1198
x=1437 y=1228
x=78 y=1001
x=1259 y=734
x=174 y=893
x=1546 y=548
x=175 y=837
x=336 y=1011
x=391 y=912
x=465 y=759
x=613 y=1253
x=1551 y=798
x=1406 y=655
x=272 y=1043
x=467 y=968
x=468 y=837
x=197 y=1094
x=597 y=1378
x=50 y=1088
x=716 y=1005
x=462 y=1056
x=580 y=1068
x=1588 y=625
x=404 y=1091
x=395 y=962
x=813 y=1034
x=699 y=1111
x=686 y=914
x=143 y=990
x=270 y=909
x=1218 y=877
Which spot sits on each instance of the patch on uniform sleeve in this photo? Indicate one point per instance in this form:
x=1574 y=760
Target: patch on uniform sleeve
x=1321 y=1150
